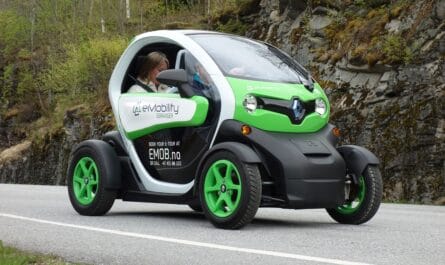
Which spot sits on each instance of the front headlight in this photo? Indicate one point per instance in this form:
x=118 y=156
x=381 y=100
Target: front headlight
x=320 y=106
x=250 y=103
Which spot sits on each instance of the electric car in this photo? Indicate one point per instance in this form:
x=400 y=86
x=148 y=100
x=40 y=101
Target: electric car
x=248 y=127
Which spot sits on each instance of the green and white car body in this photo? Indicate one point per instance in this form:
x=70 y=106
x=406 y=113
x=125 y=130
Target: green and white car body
x=249 y=128
x=116 y=96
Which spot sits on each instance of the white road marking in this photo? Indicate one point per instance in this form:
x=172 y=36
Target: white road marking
x=188 y=242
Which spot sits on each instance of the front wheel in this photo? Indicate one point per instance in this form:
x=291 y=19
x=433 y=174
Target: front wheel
x=364 y=199
x=230 y=190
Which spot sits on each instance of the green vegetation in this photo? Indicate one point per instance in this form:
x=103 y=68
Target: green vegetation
x=59 y=54
x=233 y=26
x=362 y=36
x=371 y=3
x=12 y=256
x=228 y=17
x=396 y=50
x=84 y=69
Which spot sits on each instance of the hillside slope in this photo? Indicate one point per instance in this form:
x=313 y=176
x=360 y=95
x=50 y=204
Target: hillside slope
x=380 y=61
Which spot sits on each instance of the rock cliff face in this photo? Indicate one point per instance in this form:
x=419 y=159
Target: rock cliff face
x=382 y=66
x=45 y=159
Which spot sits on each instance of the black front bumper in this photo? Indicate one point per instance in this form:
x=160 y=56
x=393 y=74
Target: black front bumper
x=305 y=169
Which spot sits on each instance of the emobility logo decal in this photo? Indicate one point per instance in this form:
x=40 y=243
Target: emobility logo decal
x=168 y=108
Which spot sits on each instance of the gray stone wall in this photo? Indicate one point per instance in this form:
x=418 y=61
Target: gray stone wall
x=44 y=160
x=397 y=111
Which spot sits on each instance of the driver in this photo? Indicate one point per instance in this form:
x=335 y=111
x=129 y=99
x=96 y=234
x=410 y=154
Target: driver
x=152 y=65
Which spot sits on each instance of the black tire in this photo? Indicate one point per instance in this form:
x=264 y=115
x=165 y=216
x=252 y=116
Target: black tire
x=106 y=169
x=246 y=204
x=370 y=203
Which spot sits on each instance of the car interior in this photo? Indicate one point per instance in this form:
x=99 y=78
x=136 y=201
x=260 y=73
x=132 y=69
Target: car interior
x=171 y=50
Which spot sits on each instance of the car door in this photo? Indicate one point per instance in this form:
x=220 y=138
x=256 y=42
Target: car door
x=171 y=133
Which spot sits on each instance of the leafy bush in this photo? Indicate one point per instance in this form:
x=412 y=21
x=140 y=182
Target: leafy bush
x=13 y=33
x=13 y=37
x=87 y=67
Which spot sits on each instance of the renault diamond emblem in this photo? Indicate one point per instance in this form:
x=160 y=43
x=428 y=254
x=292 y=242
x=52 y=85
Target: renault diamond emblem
x=298 y=109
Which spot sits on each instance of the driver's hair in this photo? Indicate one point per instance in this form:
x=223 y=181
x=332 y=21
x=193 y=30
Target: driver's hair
x=151 y=61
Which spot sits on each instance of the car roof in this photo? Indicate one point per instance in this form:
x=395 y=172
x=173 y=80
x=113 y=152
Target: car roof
x=175 y=32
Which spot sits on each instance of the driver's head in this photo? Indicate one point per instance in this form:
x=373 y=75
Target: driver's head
x=154 y=63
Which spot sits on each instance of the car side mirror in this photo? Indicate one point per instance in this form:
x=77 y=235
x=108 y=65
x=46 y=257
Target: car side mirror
x=177 y=78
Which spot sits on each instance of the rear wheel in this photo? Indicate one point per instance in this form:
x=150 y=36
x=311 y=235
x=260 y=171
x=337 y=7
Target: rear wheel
x=230 y=190
x=92 y=163
x=364 y=199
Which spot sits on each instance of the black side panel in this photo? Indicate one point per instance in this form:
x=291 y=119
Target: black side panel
x=357 y=158
x=139 y=196
x=130 y=179
x=133 y=190
x=114 y=139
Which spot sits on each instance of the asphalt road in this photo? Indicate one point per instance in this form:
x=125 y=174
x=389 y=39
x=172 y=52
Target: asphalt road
x=41 y=219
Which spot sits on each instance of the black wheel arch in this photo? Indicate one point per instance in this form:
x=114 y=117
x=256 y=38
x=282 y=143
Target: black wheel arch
x=114 y=139
x=357 y=158
x=244 y=152
x=102 y=147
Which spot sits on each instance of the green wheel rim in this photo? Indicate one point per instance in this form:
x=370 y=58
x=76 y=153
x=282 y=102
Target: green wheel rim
x=85 y=180
x=222 y=188
x=352 y=207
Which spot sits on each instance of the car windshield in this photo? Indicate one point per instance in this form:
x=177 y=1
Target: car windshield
x=245 y=58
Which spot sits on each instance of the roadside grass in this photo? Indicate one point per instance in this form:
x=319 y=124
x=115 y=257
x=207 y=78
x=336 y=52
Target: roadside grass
x=12 y=256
